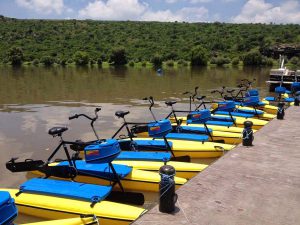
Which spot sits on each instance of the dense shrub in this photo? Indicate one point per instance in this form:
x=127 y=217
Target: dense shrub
x=170 y=63
x=131 y=64
x=63 y=62
x=295 y=60
x=35 y=62
x=81 y=58
x=47 y=60
x=92 y=62
x=220 y=60
x=235 y=61
x=144 y=63
x=99 y=61
x=199 y=56
x=182 y=62
x=118 y=56
x=267 y=61
x=157 y=60
x=252 y=58
x=15 y=56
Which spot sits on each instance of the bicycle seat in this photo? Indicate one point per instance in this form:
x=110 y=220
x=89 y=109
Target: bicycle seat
x=170 y=103
x=121 y=114
x=201 y=97
x=57 y=131
x=230 y=90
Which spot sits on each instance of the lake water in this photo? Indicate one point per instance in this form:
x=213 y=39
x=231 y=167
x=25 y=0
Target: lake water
x=34 y=99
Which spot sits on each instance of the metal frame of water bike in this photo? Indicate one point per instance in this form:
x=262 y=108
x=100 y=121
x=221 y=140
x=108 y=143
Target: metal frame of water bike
x=221 y=93
x=178 y=122
x=72 y=172
x=130 y=134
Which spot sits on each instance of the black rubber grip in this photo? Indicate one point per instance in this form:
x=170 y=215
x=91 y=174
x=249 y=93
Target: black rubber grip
x=73 y=117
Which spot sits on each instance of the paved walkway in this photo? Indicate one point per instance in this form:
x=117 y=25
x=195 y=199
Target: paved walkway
x=257 y=185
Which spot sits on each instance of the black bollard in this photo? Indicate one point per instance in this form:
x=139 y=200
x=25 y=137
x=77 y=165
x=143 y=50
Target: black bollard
x=248 y=134
x=167 y=194
x=280 y=111
x=296 y=101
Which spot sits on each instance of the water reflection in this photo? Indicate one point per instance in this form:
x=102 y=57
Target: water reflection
x=37 y=85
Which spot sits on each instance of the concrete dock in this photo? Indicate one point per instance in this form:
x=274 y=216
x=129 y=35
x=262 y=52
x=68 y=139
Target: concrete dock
x=255 y=185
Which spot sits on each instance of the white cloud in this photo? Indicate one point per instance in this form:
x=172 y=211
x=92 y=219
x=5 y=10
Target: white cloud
x=171 y=1
x=113 y=10
x=199 y=1
x=43 y=6
x=164 y=15
x=228 y=1
x=259 y=11
x=194 y=14
x=189 y=1
x=137 y=10
x=190 y=14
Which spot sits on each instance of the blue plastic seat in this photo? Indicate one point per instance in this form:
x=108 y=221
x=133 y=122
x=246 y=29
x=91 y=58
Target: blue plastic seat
x=219 y=123
x=246 y=115
x=189 y=137
x=99 y=170
x=269 y=98
x=222 y=118
x=289 y=99
x=247 y=111
x=66 y=189
x=200 y=130
x=155 y=144
x=144 y=156
x=261 y=104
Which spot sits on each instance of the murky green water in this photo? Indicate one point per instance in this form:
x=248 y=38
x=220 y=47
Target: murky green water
x=32 y=100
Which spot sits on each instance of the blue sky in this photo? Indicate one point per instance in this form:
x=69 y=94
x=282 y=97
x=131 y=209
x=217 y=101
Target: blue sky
x=233 y=11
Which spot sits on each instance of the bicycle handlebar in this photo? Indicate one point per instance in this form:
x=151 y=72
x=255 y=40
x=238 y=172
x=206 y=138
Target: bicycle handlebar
x=76 y=116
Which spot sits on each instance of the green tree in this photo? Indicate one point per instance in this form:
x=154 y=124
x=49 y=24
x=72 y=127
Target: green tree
x=157 y=60
x=253 y=58
x=118 y=56
x=35 y=62
x=219 y=61
x=81 y=58
x=295 y=60
x=15 y=56
x=170 y=63
x=47 y=60
x=199 y=56
x=235 y=61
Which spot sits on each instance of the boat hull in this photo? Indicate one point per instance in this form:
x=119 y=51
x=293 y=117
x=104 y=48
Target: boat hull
x=72 y=221
x=194 y=149
x=183 y=169
x=136 y=180
x=47 y=207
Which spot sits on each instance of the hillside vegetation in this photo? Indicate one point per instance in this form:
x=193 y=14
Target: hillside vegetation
x=86 y=41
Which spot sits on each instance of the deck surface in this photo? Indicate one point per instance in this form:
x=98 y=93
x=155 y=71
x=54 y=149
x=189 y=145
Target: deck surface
x=254 y=185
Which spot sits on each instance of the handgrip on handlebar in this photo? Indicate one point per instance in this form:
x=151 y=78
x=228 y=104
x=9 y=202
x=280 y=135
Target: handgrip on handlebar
x=73 y=117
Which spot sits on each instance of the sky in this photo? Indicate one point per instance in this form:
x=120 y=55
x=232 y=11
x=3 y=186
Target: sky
x=230 y=11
